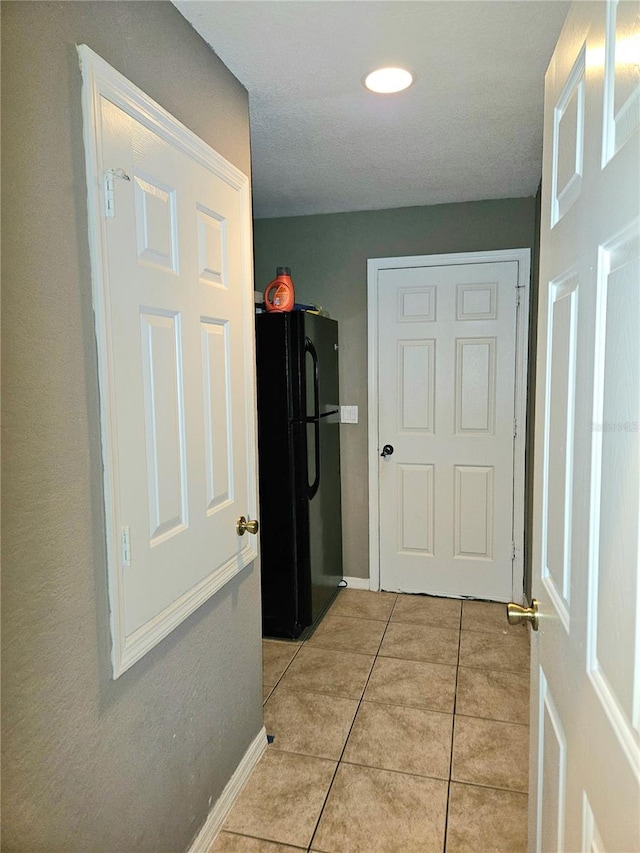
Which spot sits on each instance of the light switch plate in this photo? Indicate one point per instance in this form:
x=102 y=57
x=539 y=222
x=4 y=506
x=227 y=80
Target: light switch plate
x=348 y=414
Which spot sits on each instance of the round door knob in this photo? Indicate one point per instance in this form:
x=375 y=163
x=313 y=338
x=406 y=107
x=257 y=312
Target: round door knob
x=387 y=450
x=517 y=614
x=243 y=526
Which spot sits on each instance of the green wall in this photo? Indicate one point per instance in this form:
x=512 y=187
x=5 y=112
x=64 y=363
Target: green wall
x=92 y=764
x=328 y=255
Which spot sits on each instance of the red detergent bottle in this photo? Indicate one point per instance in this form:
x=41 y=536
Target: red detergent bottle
x=279 y=294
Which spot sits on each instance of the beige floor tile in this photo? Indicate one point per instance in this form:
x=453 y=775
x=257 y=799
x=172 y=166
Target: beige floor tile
x=427 y=610
x=493 y=695
x=379 y=811
x=349 y=634
x=484 y=650
x=327 y=671
x=414 y=683
x=309 y=723
x=488 y=752
x=420 y=642
x=228 y=842
x=283 y=798
x=364 y=604
x=487 y=616
x=276 y=657
x=410 y=740
x=484 y=820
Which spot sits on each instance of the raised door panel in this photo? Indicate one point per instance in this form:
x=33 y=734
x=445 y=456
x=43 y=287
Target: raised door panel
x=591 y=838
x=474 y=511
x=621 y=112
x=477 y=301
x=417 y=304
x=212 y=247
x=568 y=142
x=415 y=509
x=552 y=782
x=416 y=384
x=475 y=386
x=615 y=504
x=559 y=440
x=217 y=412
x=156 y=223
x=164 y=425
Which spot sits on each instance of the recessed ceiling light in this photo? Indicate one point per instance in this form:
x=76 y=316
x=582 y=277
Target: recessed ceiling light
x=388 y=80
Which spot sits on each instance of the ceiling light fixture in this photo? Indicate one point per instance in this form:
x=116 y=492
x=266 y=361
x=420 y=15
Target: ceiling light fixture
x=388 y=80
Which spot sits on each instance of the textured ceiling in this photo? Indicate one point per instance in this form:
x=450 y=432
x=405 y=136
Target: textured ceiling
x=469 y=128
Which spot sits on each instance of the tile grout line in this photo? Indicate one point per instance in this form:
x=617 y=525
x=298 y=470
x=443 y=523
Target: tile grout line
x=453 y=732
x=264 y=701
x=315 y=829
x=491 y=787
x=266 y=840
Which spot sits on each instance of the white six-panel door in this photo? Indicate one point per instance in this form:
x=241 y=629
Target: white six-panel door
x=173 y=313
x=585 y=785
x=446 y=403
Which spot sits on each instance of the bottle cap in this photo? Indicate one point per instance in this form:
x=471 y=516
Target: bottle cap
x=283 y=271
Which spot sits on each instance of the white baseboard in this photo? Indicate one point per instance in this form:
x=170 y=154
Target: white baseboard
x=357 y=583
x=222 y=807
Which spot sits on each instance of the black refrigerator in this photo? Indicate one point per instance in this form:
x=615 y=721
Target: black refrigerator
x=299 y=469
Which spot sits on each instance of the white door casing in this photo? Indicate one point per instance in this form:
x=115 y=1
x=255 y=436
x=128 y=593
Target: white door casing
x=585 y=689
x=173 y=304
x=447 y=388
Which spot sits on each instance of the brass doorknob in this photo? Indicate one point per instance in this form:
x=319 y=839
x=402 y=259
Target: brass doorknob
x=516 y=614
x=243 y=526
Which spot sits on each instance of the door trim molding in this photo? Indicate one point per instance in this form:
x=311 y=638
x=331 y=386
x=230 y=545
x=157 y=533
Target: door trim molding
x=100 y=80
x=374 y=265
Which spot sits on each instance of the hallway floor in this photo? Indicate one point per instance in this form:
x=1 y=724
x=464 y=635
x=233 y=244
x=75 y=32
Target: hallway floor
x=401 y=725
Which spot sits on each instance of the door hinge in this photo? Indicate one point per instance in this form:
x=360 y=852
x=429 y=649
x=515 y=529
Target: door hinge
x=513 y=551
x=126 y=546
x=109 y=191
x=515 y=427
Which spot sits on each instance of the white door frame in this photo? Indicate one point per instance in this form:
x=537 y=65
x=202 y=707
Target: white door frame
x=374 y=265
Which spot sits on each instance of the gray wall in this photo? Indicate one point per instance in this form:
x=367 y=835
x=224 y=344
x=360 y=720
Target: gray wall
x=328 y=256
x=91 y=764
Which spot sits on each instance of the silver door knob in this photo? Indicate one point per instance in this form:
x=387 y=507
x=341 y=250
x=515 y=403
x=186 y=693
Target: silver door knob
x=243 y=526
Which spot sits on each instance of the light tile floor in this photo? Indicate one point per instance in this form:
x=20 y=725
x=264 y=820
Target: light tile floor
x=400 y=726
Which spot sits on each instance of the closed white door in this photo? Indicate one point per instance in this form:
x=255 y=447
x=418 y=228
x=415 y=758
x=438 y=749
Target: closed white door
x=176 y=349
x=446 y=407
x=585 y=787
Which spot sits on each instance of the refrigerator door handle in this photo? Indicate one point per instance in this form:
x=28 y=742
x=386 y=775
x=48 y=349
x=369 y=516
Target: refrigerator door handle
x=309 y=348
x=312 y=488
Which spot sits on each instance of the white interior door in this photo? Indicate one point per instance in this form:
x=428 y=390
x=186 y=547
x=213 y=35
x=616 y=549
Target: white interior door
x=585 y=790
x=446 y=370
x=174 y=315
